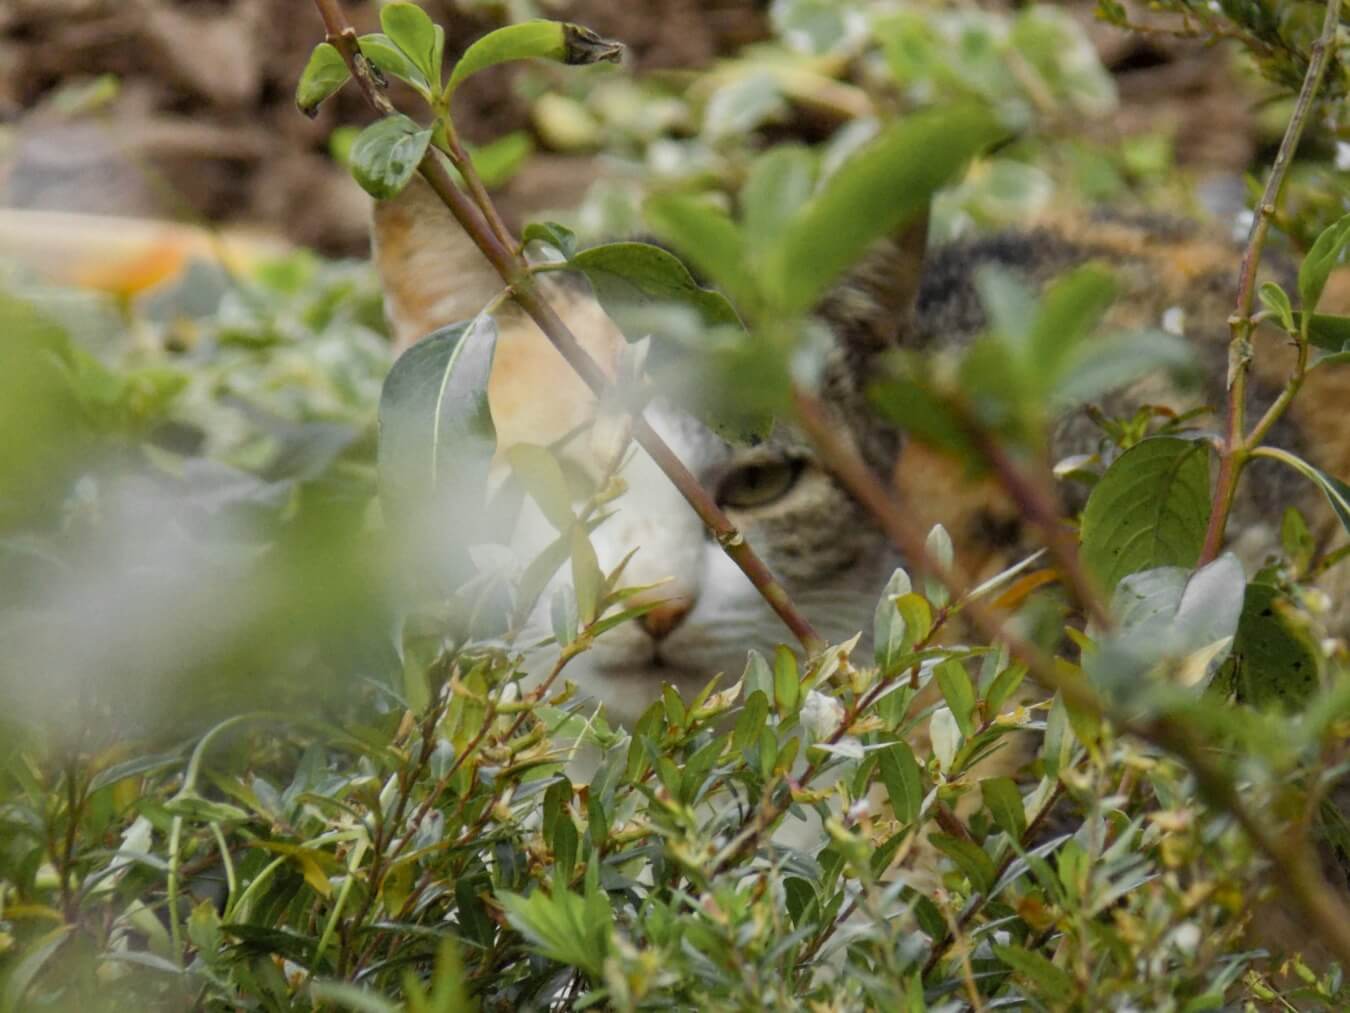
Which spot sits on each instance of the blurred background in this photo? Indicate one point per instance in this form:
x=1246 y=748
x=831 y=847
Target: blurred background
x=184 y=110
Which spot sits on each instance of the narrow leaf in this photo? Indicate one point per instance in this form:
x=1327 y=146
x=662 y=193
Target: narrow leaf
x=957 y=690
x=786 y=681
x=1052 y=982
x=889 y=629
x=1336 y=491
x=437 y=438
x=587 y=577
x=970 y=858
x=903 y=780
x=1316 y=268
x=1004 y=803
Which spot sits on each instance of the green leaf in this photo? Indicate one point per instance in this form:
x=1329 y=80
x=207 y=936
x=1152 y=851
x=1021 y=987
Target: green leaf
x=890 y=641
x=751 y=721
x=1069 y=311
x=878 y=190
x=1336 y=491
x=437 y=438
x=970 y=858
x=1004 y=803
x=1009 y=304
x=587 y=578
x=917 y=615
x=387 y=154
x=1276 y=299
x=1326 y=331
x=21 y=973
x=1005 y=684
x=943 y=553
x=1111 y=362
x=903 y=780
x=787 y=683
x=389 y=59
x=413 y=31
x=1297 y=540
x=922 y=413
x=499 y=160
x=323 y=75
x=564 y=616
x=780 y=183
x=560 y=237
x=959 y=693
x=1170 y=614
x=706 y=237
x=630 y=279
x=534 y=40
x=1275 y=660
x=1325 y=254
x=541 y=475
x=562 y=926
x=1052 y=982
x=352 y=997
x=1149 y=509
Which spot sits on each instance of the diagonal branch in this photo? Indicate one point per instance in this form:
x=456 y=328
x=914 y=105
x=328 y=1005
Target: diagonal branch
x=526 y=292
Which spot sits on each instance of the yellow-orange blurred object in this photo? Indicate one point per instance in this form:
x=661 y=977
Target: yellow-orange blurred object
x=121 y=256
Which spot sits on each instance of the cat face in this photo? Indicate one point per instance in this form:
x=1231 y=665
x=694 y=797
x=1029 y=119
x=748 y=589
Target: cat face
x=822 y=547
x=808 y=531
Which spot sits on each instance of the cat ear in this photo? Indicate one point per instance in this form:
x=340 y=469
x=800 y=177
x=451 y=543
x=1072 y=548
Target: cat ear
x=432 y=273
x=872 y=307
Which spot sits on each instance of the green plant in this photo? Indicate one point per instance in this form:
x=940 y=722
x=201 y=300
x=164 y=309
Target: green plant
x=400 y=831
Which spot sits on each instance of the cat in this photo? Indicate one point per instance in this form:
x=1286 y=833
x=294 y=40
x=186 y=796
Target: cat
x=824 y=548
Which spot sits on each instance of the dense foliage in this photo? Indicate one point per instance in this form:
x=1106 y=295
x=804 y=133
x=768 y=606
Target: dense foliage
x=256 y=753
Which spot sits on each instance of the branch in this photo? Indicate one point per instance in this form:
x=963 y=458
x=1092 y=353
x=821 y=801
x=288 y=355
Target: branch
x=1294 y=863
x=1233 y=454
x=525 y=289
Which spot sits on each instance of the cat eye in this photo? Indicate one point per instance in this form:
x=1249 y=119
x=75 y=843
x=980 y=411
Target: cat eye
x=759 y=484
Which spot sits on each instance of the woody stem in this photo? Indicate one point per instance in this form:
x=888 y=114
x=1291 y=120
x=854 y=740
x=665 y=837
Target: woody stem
x=526 y=292
x=1236 y=447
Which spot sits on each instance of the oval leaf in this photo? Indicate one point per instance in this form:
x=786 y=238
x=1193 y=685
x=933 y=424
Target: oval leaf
x=534 y=40
x=878 y=190
x=325 y=73
x=1149 y=510
x=381 y=51
x=387 y=154
x=422 y=40
x=436 y=434
x=1275 y=660
x=631 y=279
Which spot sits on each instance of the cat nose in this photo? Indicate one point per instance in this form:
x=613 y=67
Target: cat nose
x=661 y=621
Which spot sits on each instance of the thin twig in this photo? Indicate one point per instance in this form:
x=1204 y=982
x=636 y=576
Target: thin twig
x=1234 y=452
x=1293 y=861
x=515 y=272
